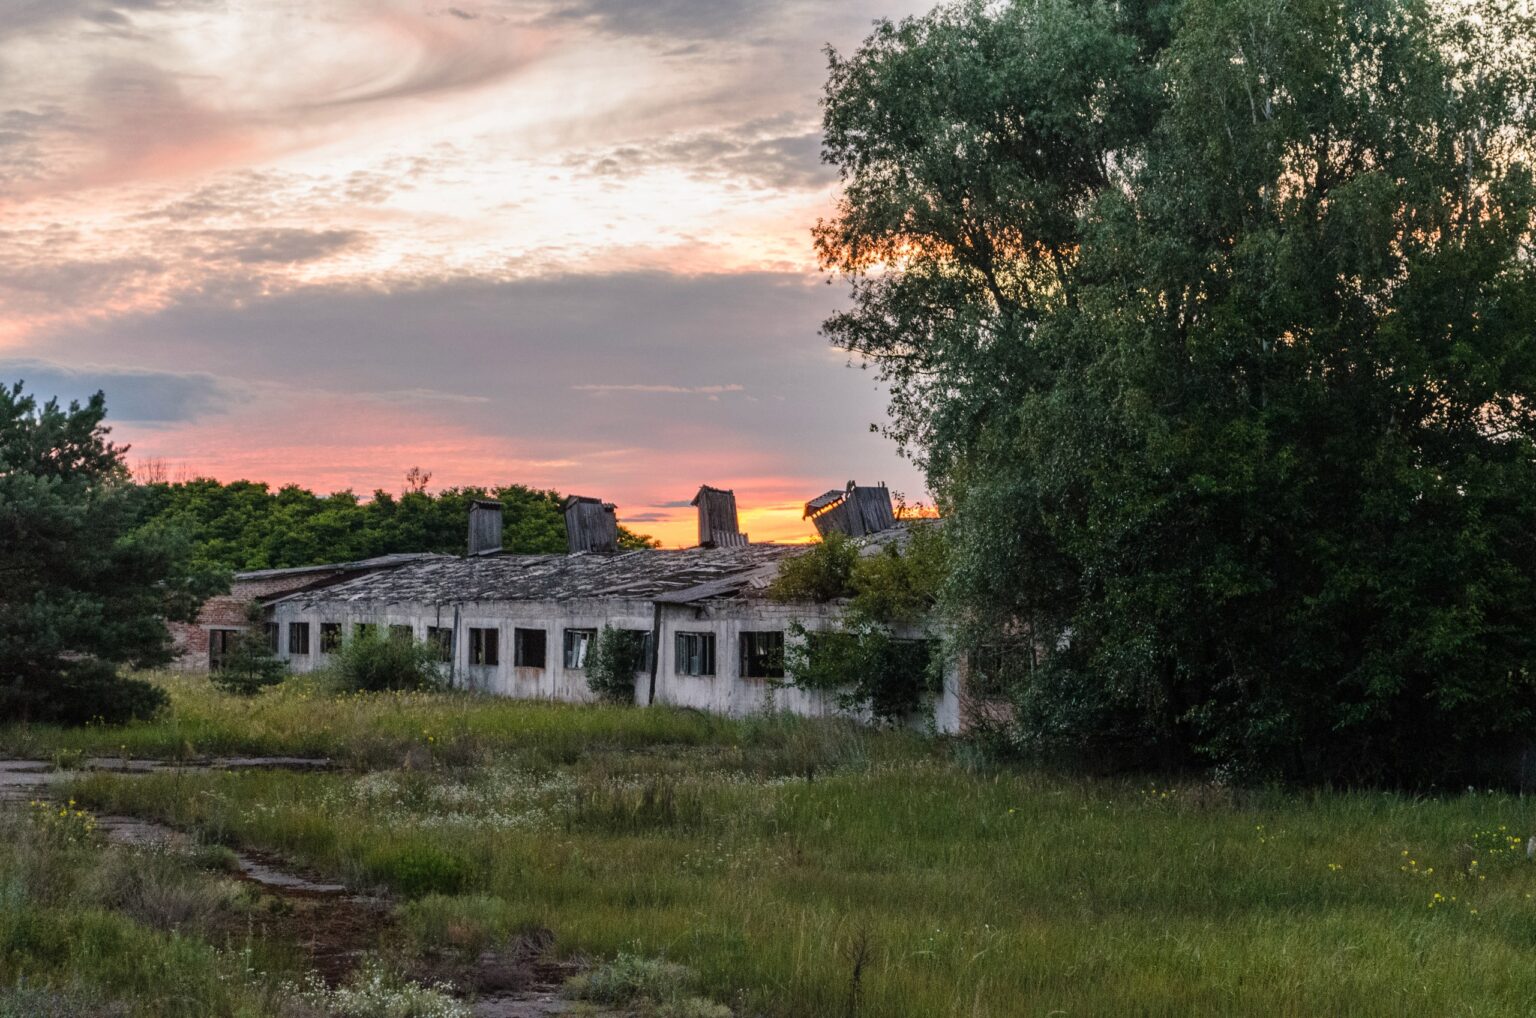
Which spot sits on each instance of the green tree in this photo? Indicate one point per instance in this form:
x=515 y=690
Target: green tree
x=245 y=525
x=1211 y=324
x=84 y=586
x=614 y=658
x=872 y=661
x=253 y=663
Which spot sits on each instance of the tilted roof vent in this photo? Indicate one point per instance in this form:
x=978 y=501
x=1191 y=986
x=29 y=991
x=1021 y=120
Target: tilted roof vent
x=591 y=525
x=718 y=527
x=855 y=511
x=484 y=527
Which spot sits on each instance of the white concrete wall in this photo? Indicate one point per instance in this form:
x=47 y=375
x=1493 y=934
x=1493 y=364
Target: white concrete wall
x=726 y=692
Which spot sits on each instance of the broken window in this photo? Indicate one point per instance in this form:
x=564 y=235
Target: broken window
x=694 y=654
x=484 y=647
x=330 y=637
x=272 y=632
x=528 y=648
x=363 y=629
x=576 y=643
x=221 y=643
x=298 y=638
x=440 y=639
x=762 y=654
x=402 y=634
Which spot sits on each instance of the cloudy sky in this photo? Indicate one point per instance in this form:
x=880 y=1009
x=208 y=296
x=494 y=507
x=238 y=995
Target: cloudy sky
x=558 y=242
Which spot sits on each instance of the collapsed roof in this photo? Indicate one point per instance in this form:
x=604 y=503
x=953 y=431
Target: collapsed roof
x=674 y=575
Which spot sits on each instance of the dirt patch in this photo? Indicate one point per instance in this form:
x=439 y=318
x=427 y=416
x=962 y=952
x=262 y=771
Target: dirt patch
x=332 y=928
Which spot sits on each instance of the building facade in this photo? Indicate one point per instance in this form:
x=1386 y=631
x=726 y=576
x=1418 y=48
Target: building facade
x=522 y=625
x=201 y=644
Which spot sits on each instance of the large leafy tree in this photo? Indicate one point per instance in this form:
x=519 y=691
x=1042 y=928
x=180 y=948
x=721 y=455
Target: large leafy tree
x=1212 y=325
x=84 y=585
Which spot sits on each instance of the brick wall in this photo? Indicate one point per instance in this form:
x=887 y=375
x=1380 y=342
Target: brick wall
x=228 y=611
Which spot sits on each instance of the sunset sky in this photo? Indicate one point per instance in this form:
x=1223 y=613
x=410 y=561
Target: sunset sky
x=557 y=242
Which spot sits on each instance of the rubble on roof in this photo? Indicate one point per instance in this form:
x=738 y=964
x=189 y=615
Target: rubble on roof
x=378 y=562
x=648 y=574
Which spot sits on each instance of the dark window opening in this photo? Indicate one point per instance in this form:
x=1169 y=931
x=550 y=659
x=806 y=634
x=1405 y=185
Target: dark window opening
x=762 y=655
x=484 y=647
x=577 y=642
x=363 y=629
x=528 y=648
x=298 y=637
x=402 y=634
x=914 y=660
x=221 y=643
x=272 y=632
x=995 y=667
x=330 y=637
x=640 y=642
x=440 y=639
x=694 y=654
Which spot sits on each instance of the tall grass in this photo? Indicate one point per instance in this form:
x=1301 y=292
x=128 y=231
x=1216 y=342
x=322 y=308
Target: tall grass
x=899 y=884
x=815 y=870
x=301 y=718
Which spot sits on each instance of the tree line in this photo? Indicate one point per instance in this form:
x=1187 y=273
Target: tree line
x=246 y=525
x=93 y=564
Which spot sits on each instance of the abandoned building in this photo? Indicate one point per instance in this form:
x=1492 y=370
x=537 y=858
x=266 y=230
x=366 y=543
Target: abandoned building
x=202 y=645
x=522 y=625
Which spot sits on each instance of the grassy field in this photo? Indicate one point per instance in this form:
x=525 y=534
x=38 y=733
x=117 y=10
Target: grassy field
x=812 y=869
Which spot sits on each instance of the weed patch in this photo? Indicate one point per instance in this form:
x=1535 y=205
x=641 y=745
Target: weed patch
x=416 y=869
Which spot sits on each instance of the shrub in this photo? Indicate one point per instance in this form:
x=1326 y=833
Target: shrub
x=824 y=573
x=82 y=692
x=417 y=870
x=468 y=926
x=374 y=992
x=251 y=665
x=866 y=668
x=159 y=889
x=373 y=661
x=615 y=657
x=620 y=809
x=866 y=664
x=653 y=987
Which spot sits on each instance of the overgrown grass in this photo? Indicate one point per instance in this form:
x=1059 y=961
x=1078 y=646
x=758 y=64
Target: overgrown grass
x=806 y=869
x=300 y=718
x=88 y=930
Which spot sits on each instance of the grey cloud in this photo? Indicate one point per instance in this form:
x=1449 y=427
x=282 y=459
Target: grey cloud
x=448 y=59
x=283 y=245
x=514 y=350
x=133 y=395
x=681 y=390
x=246 y=193
x=677 y=19
x=29 y=283
x=752 y=152
x=22 y=136
x=30 y=17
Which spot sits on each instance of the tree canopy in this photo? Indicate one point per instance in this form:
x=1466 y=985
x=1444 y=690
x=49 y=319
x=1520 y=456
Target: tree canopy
x=85 y=584
x=1210 y=322
x=243 y=525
